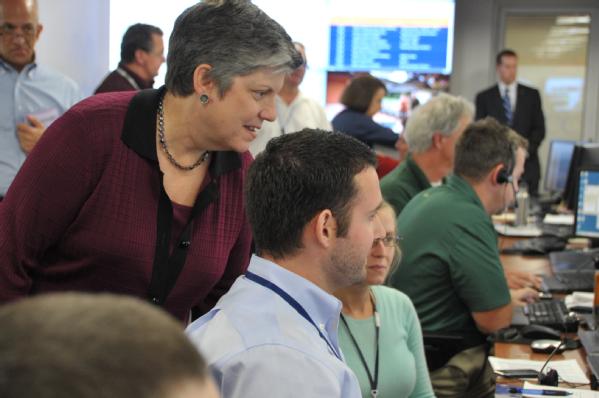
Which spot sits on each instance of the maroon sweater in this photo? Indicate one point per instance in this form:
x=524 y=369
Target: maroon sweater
x=82 y=212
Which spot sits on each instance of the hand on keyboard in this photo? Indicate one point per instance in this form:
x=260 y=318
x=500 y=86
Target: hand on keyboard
x=520 y=279
x=524 y=296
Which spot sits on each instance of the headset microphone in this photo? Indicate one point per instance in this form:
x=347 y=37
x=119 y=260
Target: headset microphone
x=550 y=378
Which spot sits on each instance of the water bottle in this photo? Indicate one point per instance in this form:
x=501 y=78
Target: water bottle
x=522 y=199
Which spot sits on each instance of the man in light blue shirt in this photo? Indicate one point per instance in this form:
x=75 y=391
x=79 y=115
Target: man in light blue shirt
x=311 y=199
x=32 y=96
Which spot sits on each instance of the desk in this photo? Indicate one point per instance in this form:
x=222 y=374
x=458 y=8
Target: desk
x=537 y=265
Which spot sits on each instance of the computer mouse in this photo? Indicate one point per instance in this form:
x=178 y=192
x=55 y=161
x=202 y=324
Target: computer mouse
x=546 y=346
x=535 y=332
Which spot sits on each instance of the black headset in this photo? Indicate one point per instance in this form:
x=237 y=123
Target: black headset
x=504 y=175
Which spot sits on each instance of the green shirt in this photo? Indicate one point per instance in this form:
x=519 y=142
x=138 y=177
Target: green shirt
x=403 y=183
x=451 y=264
x=402 y=364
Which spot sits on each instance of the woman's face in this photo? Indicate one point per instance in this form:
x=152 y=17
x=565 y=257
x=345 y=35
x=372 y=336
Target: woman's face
x=381 y=256
x=375 y=103
x=233 y=121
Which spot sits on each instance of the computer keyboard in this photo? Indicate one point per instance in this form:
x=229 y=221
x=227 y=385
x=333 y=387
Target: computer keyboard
x=536 y=246
x=551 y=313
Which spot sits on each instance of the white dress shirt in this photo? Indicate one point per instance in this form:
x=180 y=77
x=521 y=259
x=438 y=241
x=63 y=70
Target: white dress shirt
x=303 y=112
x=36 y=91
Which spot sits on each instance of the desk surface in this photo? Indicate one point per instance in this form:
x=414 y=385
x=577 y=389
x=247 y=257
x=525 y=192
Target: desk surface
x=538 y=265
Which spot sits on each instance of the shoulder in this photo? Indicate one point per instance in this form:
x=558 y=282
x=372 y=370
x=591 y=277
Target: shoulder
x=285 y=371
x=394 y=302
x=389 y=181
x=105 y=105
x=487 y=92
x=58 y=78
x=96 y=121
x=527 y=90
x=390 y=294
x=399 y=181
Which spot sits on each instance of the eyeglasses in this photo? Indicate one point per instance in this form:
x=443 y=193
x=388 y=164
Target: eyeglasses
x=27 y=30
x=388 y=241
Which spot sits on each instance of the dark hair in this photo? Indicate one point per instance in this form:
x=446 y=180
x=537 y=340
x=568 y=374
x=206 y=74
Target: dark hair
x=137 y=37
x=297 y=176
x=235 y=37
x=485 y=144
x=358 y=94
x=93 y=346
x=505 y=52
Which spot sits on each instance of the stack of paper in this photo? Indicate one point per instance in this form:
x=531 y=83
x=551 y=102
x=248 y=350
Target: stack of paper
x=580 y=300
x=559 y=219
x=569 y=371
x=526 y=231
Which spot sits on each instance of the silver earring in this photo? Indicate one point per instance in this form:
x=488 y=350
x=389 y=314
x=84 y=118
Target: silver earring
x=204 y=99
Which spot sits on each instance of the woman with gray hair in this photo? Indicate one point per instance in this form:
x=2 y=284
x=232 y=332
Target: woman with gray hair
x=141 y=193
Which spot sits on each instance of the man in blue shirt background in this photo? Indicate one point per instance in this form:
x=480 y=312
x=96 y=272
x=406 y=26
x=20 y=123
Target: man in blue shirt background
x=32 y=96
x=312 y=199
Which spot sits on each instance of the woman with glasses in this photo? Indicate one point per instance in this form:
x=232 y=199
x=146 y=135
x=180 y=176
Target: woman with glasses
x=141 y=193
x=379 y=331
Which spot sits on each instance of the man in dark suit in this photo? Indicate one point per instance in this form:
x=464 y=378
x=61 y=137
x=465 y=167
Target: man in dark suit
x=519 y=107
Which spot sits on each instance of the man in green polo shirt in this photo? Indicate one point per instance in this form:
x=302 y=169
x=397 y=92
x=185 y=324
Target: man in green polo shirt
x=451 y=268
x=431 y=133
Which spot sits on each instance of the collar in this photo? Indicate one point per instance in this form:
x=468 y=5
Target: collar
x=459 y=184
x=510 y=87
x=143 y=84
x=323 y=308
x=139 y=132
x=418 y=173
x=29 y=69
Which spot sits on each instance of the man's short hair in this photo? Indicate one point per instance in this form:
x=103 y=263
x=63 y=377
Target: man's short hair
x=359 y=93
x=503 y=53
x=485 y=144
x=235 y=37
x=137 y=37
x=93 y=346
x=297 y=176
x=442 y=114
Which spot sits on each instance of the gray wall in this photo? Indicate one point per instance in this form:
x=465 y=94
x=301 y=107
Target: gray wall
x=75 y=39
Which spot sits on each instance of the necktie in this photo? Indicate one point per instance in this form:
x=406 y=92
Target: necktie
x=507 y=107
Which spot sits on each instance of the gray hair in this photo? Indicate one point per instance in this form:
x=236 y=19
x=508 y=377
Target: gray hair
x=235 y=37
x=441 y=114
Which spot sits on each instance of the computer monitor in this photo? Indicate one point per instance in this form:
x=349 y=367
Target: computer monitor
x=584 y=156
x=558 y=164
x=587 y=205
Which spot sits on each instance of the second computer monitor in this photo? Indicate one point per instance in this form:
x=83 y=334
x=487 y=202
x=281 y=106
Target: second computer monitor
x=583 y=156
x=558 y=164
x=587 y=206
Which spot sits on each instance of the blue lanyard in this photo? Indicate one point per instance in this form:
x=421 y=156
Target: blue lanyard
x=292 y=302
